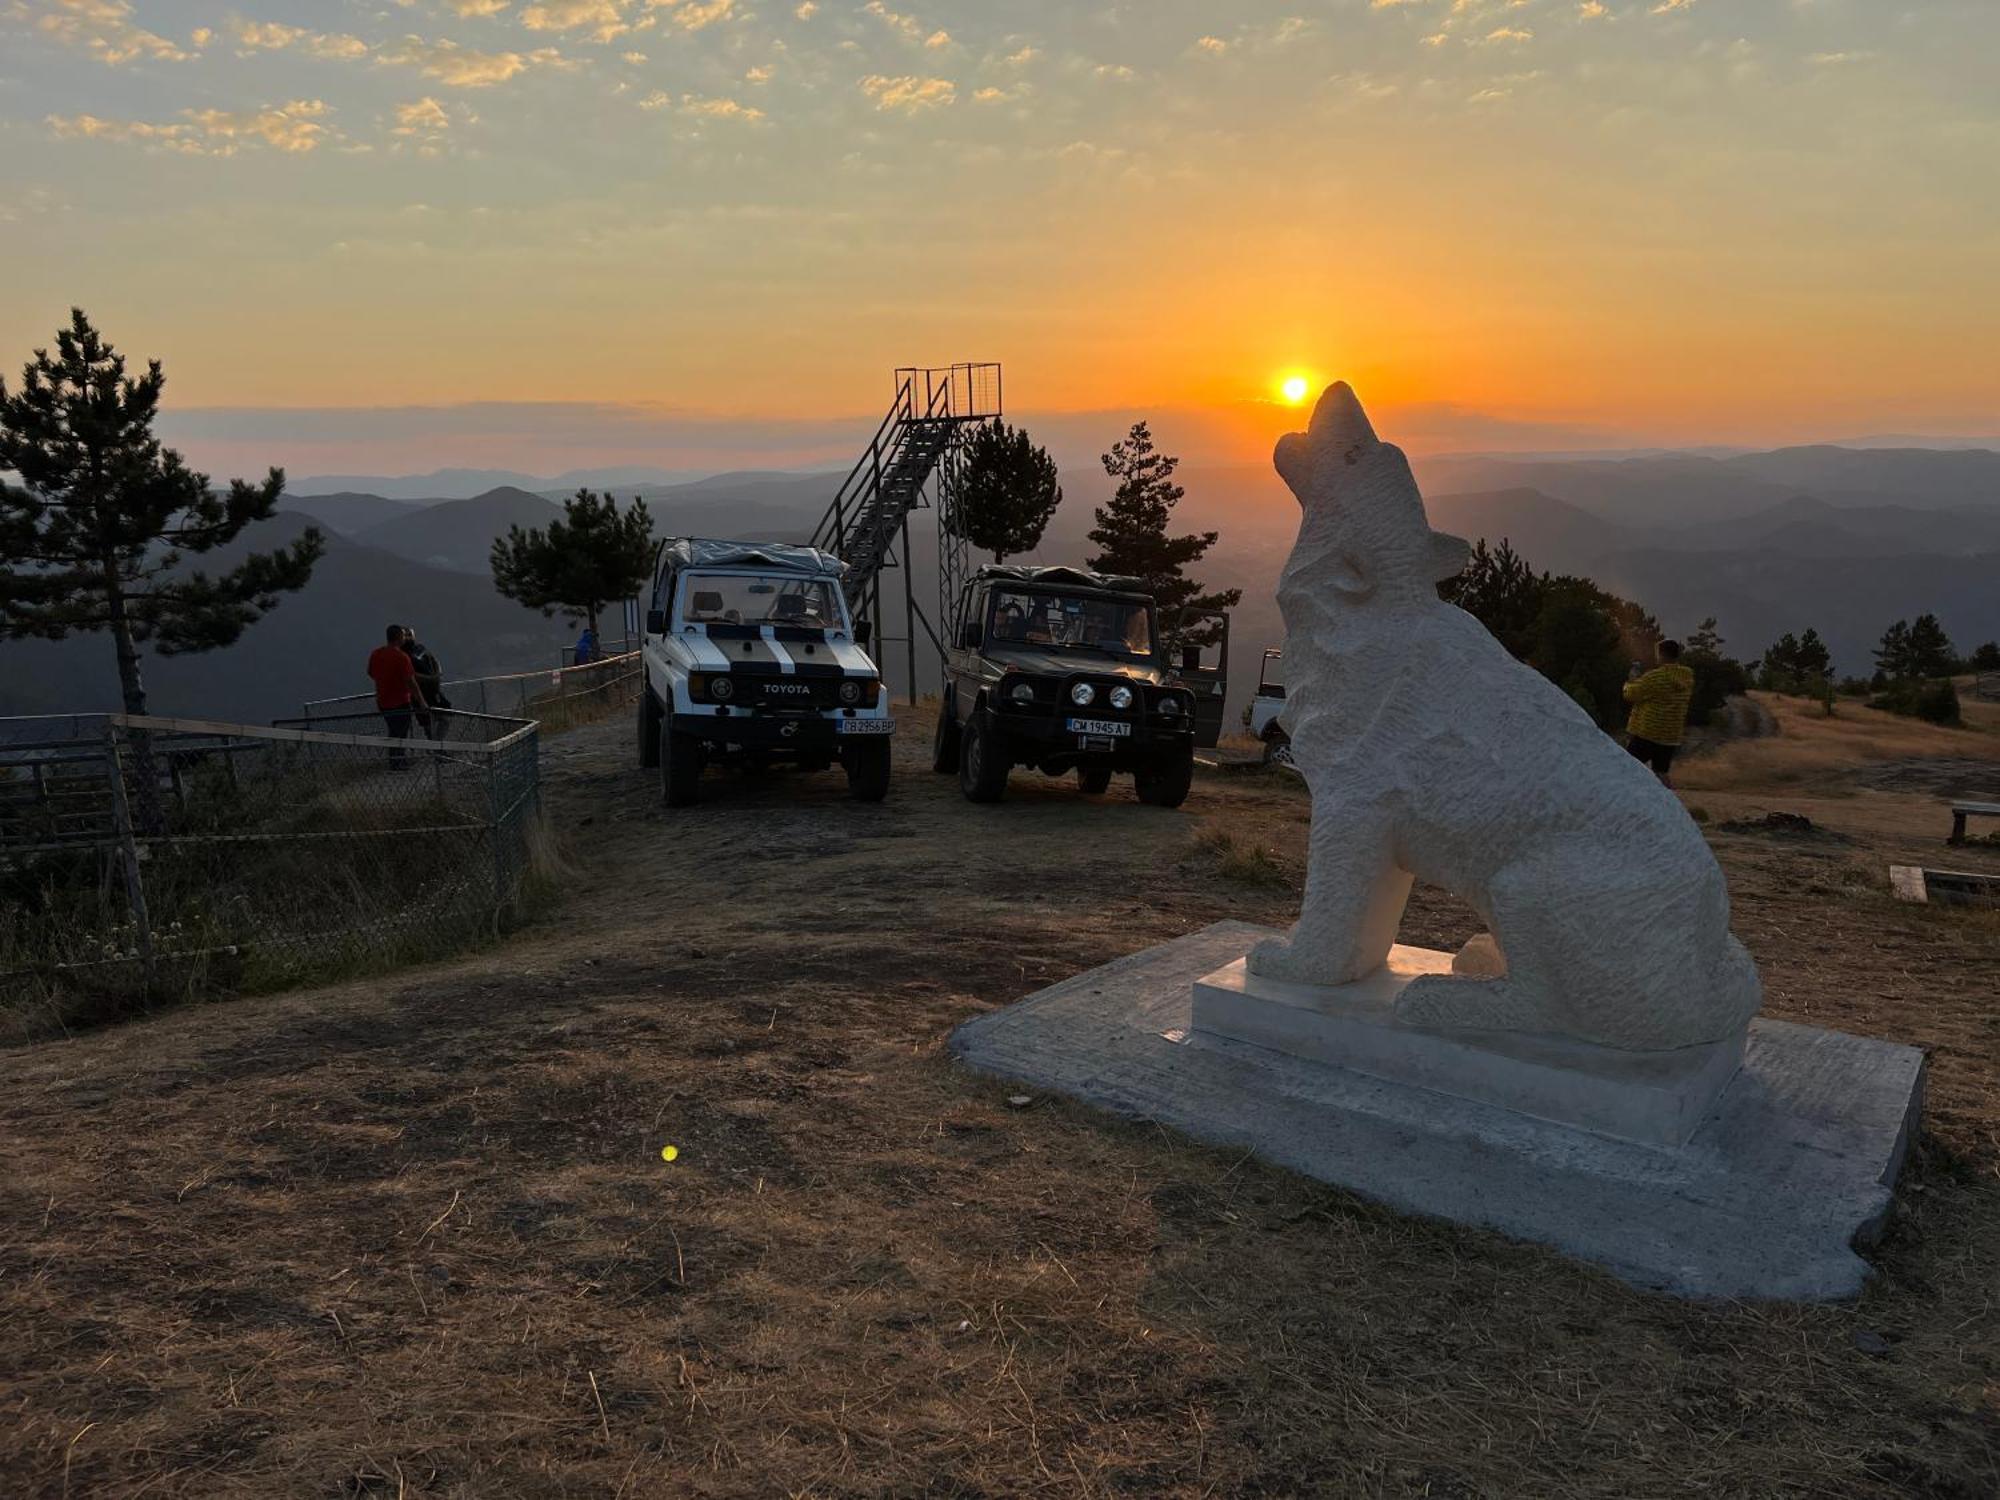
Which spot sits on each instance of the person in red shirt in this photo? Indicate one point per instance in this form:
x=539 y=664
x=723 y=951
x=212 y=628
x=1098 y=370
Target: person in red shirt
x=397 y=695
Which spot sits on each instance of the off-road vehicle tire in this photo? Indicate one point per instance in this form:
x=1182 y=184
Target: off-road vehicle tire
x=867 y=767
x=649 y=730
x=945 y=746
x=1165 y=783
x=982 y=764
x=1093 y=781
x=680 y=769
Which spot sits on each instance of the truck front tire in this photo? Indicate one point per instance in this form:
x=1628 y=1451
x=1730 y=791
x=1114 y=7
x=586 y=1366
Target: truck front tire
x=945 y=747
x=680 y=768
x=649 y=730
x=982 y=764
x=867 y=769
x=1165 y=783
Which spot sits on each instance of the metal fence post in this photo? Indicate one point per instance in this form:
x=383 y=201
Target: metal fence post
x=128 y=854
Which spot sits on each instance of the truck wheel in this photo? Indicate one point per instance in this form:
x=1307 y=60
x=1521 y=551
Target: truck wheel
x=680 y=768
x=944 y=748
x=867 y=766
x=649 y=730
x=1094 y=781
x=1166 y=782
x=982 y=764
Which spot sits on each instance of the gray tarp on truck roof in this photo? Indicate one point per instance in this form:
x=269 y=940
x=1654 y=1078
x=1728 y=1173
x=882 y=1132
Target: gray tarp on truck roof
x=1062 y=577
x=789 y=557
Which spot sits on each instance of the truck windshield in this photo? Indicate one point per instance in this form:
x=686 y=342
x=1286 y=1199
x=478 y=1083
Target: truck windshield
x=760 y=599
x=1071 y=621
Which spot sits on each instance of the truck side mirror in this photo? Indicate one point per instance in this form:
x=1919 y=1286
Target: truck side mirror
x=968 y=635
x=1190 y=658
x=863 y=631
x=656 y=622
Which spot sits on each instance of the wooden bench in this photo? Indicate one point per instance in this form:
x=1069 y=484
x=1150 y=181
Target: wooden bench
x=1960 y=811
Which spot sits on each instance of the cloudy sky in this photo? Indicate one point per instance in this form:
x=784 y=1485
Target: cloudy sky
x=1552 y=221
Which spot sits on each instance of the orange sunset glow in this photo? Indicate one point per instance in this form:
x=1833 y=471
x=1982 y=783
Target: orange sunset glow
x=1614 y=223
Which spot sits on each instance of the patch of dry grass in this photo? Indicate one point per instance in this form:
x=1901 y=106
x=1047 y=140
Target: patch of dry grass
x=415 y=1237
x=1811 y=747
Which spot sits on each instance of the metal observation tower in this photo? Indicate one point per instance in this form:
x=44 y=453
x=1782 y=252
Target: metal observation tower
x=915 y=461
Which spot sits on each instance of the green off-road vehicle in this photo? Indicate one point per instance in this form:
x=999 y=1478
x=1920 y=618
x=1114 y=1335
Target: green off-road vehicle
x=1062 y=669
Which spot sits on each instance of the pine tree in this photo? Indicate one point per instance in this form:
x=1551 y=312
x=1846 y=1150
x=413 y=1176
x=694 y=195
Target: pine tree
x=1931 y=653
x=1811 y=660
x=1131 y=537
x=1892 y=656
x=589 y=558
x=1499 y=589
x=1007 y=494
x=94 y=535
x=1705 y=639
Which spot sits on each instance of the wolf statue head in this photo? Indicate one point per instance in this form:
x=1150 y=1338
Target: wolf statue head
x=1364 y=532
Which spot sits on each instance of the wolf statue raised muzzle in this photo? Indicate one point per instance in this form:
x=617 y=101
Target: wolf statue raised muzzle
x=1432 y=754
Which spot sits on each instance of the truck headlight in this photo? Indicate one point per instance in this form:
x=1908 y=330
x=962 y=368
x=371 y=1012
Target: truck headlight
x=1121 y=697
x=849 y=692
x=721 y=689
x=1022 y=692
x=1083 y=695
x=1170 y=703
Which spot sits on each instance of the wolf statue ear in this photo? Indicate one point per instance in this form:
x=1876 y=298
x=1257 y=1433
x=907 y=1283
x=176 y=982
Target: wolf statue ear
x=1449 y=555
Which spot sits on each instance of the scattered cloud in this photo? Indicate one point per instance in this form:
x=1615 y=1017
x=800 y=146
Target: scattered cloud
x=459 y=67
x=1116 y=71
x=1837 y=59
x=1666 y=6
x=1592 y=10
x=702 y=108
x=603 y=19
x=1022 y=58
x=293 y=128
x=907 y=93
x=472 y=9
x=1214 y=46
x=270 y=36
x=1509 y=34
x=634 y=58
x=106 y=30
x=762 y=73
x=692 y=15
x=423 y=117
x=805 y=10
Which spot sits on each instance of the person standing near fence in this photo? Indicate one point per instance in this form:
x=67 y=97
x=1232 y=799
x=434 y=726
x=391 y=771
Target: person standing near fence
x=430 y=684
x=397 y=695
x=586 y=648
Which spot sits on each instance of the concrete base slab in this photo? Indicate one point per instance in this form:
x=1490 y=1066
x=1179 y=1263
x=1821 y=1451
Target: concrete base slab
x=1656 y=1097
x=1792 y=1167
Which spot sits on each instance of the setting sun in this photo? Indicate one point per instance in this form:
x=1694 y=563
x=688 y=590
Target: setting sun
x=1293 y=388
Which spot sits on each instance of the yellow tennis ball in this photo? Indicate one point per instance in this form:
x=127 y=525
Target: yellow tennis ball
x=668 y=1153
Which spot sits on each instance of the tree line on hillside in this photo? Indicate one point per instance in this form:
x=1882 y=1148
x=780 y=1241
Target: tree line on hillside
x=95 y=534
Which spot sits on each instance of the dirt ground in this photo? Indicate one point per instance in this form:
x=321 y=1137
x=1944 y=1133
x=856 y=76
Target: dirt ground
x=415 y=1235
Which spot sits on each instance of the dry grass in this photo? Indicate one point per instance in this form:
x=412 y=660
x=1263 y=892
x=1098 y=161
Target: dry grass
x=1811 y=747
x=416 y=1238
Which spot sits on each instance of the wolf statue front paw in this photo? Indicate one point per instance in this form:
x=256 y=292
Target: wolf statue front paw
x=1279 y=958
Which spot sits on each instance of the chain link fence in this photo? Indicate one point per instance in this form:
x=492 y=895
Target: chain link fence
x=143 y=858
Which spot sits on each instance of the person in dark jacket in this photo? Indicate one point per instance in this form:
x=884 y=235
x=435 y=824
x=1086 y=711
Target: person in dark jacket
x=430 y=679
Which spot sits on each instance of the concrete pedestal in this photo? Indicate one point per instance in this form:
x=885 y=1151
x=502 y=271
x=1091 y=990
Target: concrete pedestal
x=1763 y=1193
x=1654 y=1097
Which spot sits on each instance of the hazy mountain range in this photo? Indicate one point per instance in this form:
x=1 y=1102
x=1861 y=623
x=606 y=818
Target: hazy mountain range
x=1844 y=540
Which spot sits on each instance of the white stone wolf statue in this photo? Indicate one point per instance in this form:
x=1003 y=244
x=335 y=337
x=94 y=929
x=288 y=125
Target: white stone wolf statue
x=1433 y=754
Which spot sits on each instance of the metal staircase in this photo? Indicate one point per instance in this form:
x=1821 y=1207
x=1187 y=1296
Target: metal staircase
x=912 y=463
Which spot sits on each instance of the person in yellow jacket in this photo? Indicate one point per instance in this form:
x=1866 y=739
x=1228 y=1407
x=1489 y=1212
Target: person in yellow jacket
x=1659 y=699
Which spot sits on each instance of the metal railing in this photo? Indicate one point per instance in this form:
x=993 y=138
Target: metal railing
x=142 y=856
x=561 y=692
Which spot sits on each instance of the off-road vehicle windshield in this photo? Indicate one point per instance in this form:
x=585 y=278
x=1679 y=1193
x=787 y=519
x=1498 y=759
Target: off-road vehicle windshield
x=762 y=599
x=1078 y=622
